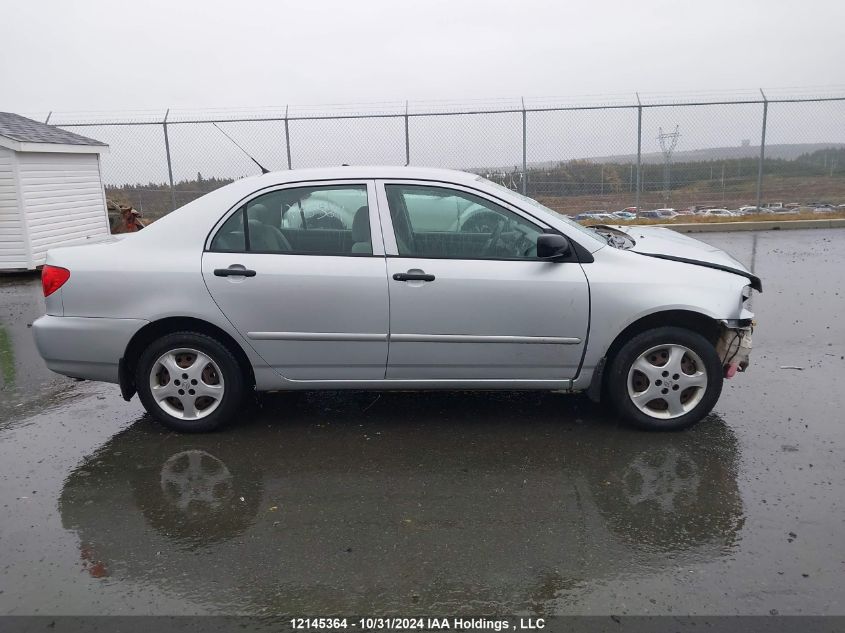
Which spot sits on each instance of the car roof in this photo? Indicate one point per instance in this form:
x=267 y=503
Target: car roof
x=190 y=225
x=195 y=219
x=198 y=212
x=344 y=172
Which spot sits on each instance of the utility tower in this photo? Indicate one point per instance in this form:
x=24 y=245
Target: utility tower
x=668 y=141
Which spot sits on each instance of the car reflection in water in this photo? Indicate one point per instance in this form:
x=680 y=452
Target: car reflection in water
x=344 y=502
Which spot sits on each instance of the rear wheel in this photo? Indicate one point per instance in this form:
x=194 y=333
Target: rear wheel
x=667 y=378
x=189 y=382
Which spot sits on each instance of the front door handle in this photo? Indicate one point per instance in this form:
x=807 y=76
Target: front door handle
x=413 y=277
x=233 y=272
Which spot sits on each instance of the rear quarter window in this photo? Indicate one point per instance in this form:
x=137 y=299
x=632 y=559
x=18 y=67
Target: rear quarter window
x=230 y=236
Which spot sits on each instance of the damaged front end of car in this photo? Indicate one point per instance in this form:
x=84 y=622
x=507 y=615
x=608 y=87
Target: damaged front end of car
x=734 y=345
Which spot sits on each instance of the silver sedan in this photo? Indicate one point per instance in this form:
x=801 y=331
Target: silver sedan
x=394 y=278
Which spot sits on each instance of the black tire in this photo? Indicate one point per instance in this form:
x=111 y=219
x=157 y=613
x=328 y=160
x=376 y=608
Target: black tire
x=617 y=378
x=232 y=378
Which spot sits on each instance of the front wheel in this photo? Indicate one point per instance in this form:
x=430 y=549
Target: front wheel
x=667 y=378
x=189 y=382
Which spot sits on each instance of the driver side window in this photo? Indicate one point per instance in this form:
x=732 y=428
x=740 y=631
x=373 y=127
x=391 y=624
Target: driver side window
x=444 y=223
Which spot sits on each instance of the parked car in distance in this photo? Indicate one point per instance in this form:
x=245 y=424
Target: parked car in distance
x=720 y=213
x=596 y=216
x=667 y=213
x=379 y=288
x=625 y=215
x=651 y=215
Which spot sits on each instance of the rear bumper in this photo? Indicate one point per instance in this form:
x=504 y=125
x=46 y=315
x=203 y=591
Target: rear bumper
x=84 y=347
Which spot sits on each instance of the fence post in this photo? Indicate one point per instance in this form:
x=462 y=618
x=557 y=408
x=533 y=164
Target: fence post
x=47 y=121
x=639 y=152
x=287 y=135
x=169 y=164
x=524 y=150
x=407 y=138
x=762 y=150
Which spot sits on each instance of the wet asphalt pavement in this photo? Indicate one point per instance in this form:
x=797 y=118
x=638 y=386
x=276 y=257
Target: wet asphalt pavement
x=441 y=503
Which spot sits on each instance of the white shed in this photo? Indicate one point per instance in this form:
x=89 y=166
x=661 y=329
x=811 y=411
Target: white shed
x=51 y=191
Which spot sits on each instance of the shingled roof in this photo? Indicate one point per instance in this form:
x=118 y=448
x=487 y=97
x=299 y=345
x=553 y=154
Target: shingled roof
x=18 y=128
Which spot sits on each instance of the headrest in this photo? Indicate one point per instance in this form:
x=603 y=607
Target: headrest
x=263 y=214
x=361 y=225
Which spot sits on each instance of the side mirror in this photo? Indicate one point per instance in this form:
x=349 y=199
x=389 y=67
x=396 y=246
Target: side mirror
x=553 y=247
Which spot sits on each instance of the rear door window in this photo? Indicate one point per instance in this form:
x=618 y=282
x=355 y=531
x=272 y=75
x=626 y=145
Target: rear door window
x=320 y=220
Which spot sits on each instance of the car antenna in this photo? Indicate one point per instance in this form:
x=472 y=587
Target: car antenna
x=260 y=166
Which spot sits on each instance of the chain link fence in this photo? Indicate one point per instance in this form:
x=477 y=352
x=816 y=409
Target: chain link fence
x=725 y=151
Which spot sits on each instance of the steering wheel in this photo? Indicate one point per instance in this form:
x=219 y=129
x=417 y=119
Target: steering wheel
x=494 y=237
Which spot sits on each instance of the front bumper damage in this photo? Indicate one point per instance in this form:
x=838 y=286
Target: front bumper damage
x=734 y=346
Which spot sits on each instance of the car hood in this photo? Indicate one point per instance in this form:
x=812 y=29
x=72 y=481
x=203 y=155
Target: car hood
x=656 y=241
x=663 y=241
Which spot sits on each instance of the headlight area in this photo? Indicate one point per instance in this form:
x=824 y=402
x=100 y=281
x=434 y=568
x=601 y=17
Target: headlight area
x=734 y=345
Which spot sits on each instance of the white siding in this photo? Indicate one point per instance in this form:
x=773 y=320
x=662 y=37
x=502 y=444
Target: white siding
x=13 y=253
x=63 y=200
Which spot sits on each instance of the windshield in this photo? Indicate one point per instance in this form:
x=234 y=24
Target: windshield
x=544 y=210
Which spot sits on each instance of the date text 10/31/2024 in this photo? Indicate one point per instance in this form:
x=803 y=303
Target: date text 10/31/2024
x=418 y=624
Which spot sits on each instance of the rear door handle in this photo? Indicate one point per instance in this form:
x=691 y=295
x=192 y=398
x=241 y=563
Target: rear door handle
x=234 y=272
x=413 y=277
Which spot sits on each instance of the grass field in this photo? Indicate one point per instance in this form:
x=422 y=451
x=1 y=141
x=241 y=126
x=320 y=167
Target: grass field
x=708 y=193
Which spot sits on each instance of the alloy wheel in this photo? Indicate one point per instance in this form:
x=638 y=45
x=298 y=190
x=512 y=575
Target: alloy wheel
x=667 y=381
x=186 y=384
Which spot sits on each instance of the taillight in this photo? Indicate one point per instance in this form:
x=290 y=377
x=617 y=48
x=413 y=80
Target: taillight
x=53 y=278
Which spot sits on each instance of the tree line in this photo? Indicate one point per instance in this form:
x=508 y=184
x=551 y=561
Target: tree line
x=566 y=178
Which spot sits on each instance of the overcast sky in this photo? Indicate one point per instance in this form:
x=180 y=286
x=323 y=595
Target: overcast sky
x=69 y=56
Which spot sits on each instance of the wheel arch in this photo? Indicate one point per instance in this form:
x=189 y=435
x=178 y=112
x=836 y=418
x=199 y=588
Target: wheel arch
x=698 y=322
x=168 y=325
